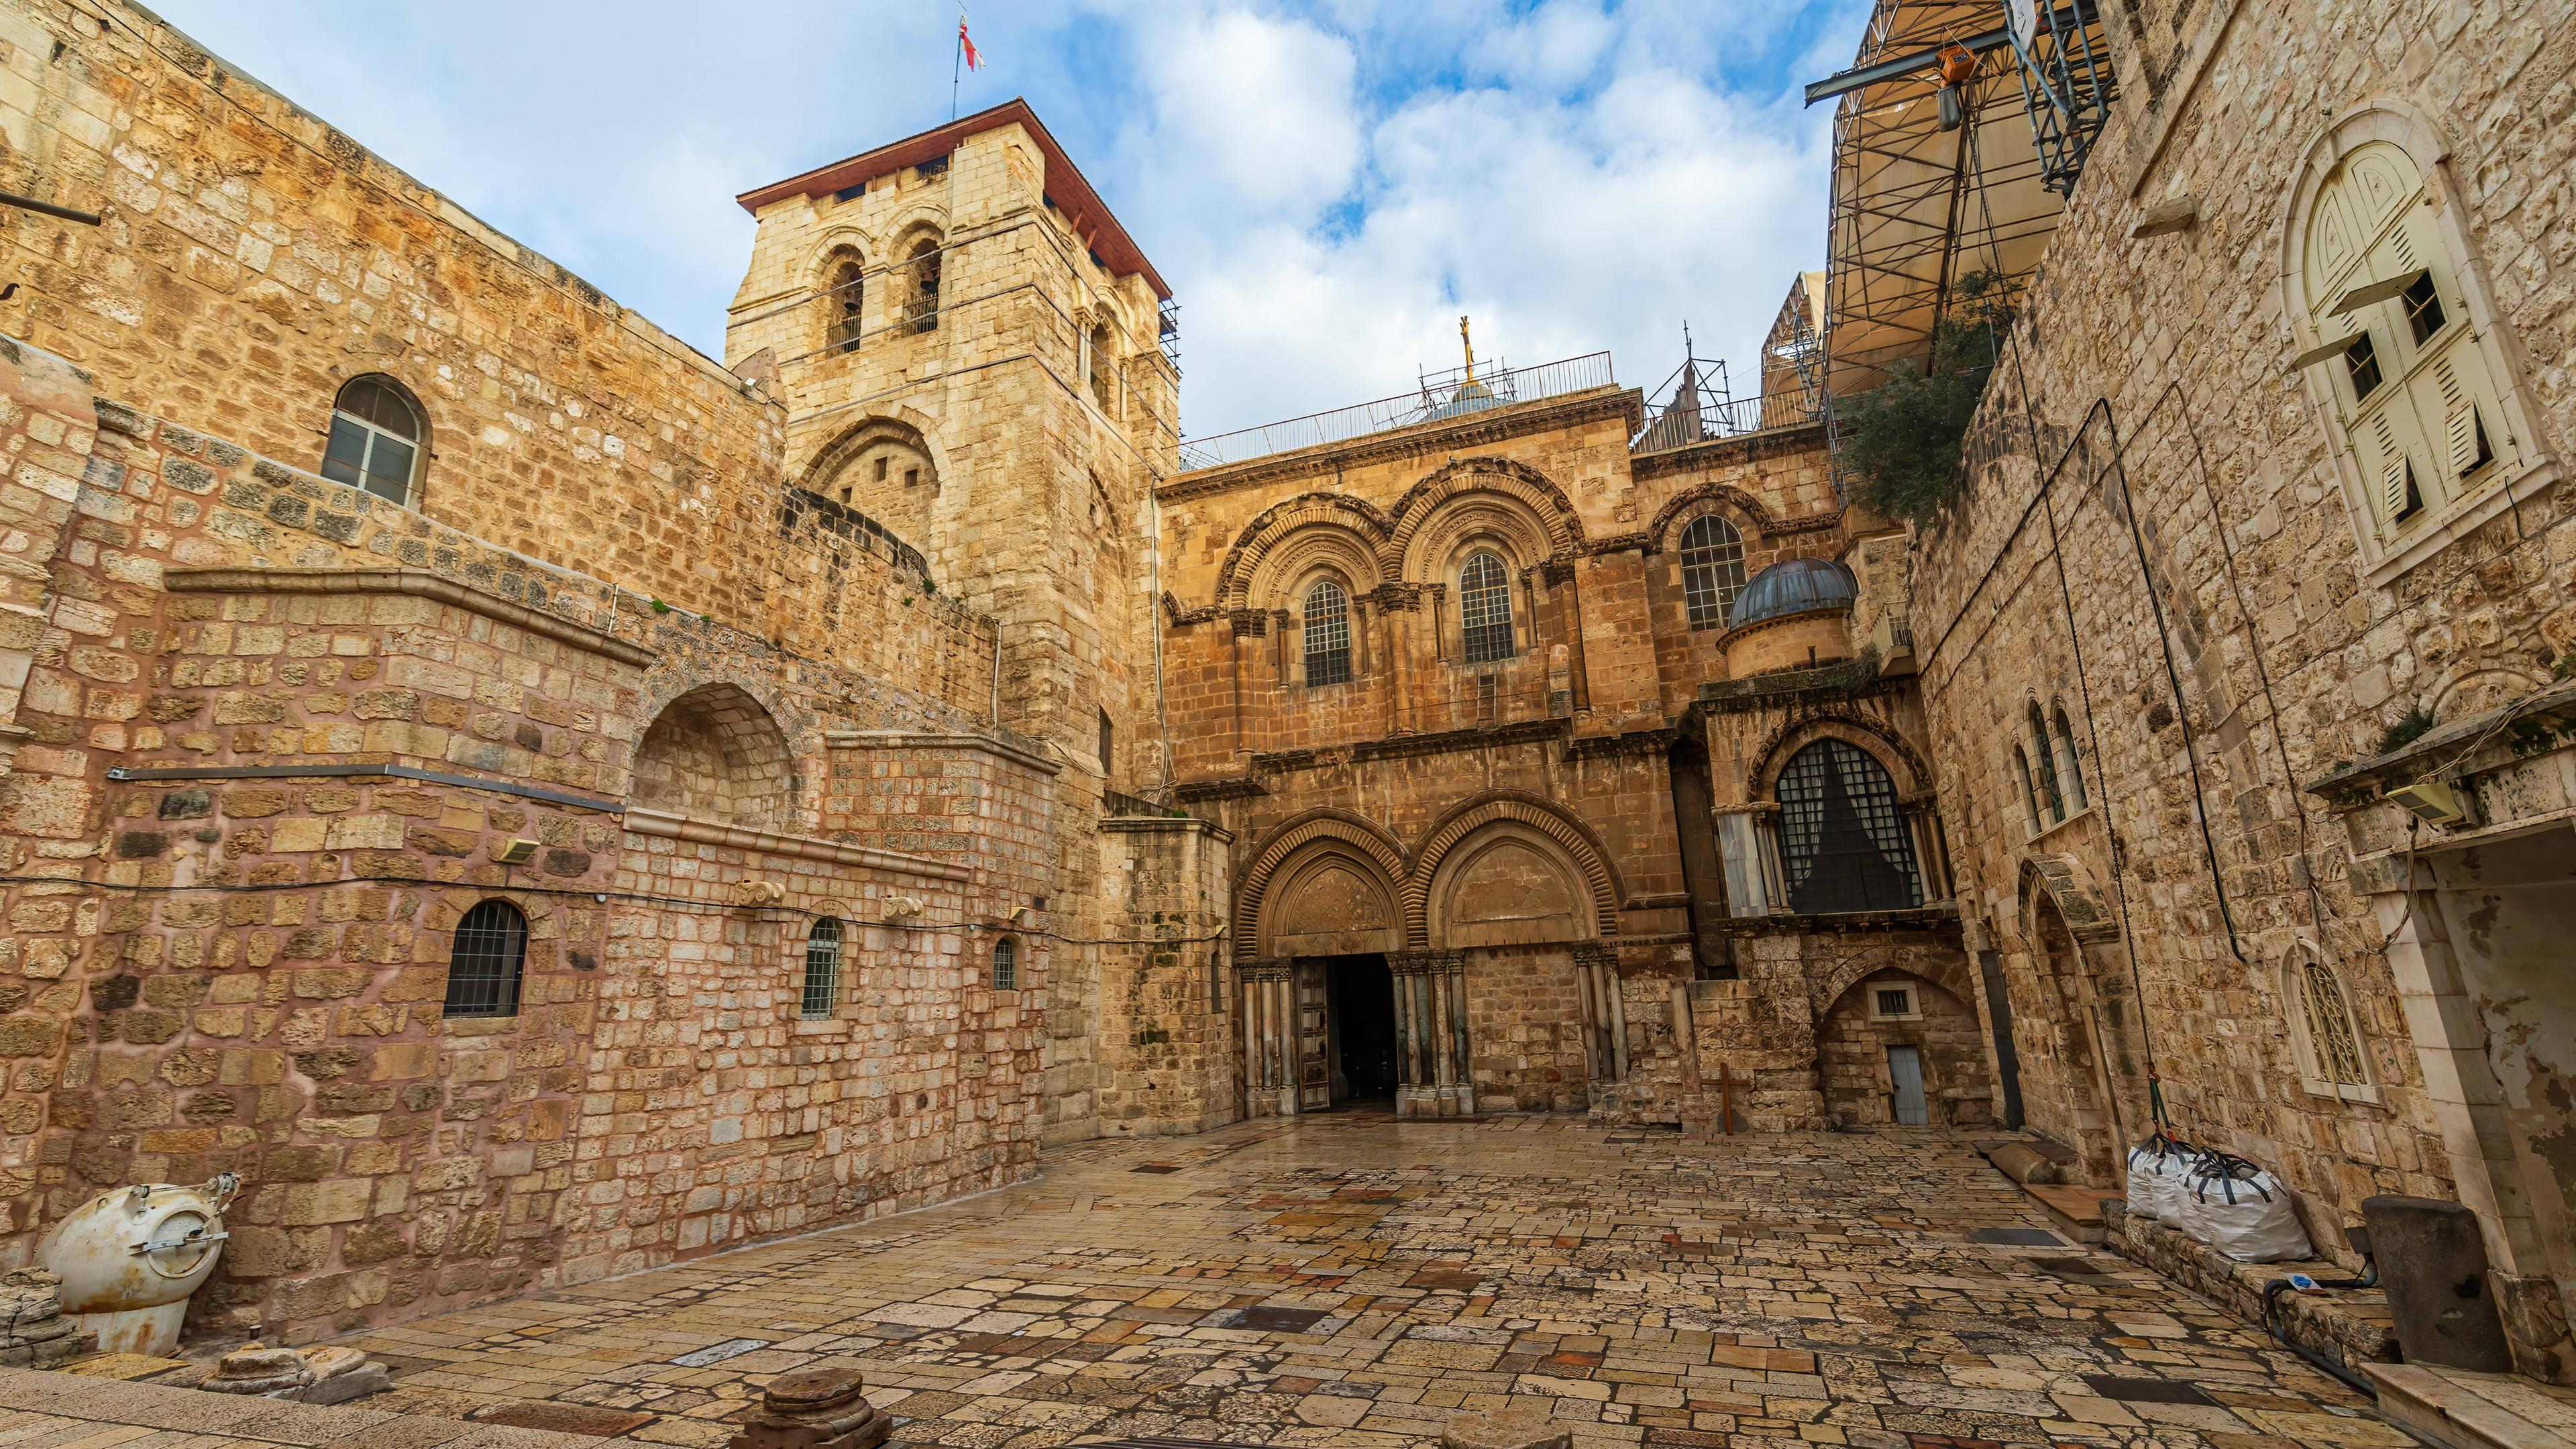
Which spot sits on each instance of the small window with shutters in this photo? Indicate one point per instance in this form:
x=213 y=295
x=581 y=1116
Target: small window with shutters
x=2420 y=411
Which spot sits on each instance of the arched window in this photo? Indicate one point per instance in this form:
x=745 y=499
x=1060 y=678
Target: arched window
x=1843 y=843
x=1485 y=608
x=1328 y=634
x=484 y=964
x=1712 y=570
x=822 y=968
x=2384 y=292
x=923 y=313
x=2070 y=765
x=375 y=439
x=2029 y=790
x=1104 y=370
x=2052 y=801
x=844 y=304
x=2331 y=1060
x=1006 y=965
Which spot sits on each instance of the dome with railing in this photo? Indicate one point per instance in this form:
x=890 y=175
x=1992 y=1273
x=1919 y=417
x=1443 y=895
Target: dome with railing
x=1793 y=586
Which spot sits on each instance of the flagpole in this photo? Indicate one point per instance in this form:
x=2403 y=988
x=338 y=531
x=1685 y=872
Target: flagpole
x=957 y=62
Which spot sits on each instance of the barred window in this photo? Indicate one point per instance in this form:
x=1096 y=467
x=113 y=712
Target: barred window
x=822 y=968
x=1712 y=570
x=484 y=965
x=375 y=439
x=1843 y=844
x=2333 y=1063
x=1485 y=608
x=1006 y=965
x=1328 y=634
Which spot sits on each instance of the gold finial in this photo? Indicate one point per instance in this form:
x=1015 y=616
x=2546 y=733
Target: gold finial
x=1468 y=343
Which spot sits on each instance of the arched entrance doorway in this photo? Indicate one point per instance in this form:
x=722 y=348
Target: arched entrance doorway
x=2097 y=1070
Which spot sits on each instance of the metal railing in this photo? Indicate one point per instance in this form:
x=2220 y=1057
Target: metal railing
x=1443 y=395
x=1696 y=416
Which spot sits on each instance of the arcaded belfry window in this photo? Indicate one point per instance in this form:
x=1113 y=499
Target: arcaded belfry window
x=923 y=313
x=1328 y=634
x=2324 y=1029
x=844 y=303
x=485 y=962
x=375 y=439
x=2410 y=382
x=1485 y=608
x=1712 y=570
x=822 y=968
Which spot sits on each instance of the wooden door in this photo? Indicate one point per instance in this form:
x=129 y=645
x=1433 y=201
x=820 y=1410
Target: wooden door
x=1314 y=1038
x=1905 y=1077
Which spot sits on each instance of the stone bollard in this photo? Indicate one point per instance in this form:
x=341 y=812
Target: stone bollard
x=816 y=1408
x=307 y=1376
x=1507 y=1429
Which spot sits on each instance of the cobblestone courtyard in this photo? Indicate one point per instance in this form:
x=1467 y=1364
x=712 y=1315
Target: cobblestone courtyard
x=1349 y=1280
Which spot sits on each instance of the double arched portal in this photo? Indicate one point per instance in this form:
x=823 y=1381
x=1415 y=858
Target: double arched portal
x=1357 y=987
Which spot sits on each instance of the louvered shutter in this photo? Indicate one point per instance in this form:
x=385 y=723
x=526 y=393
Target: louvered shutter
x=2459 y=418
x=2391 y=459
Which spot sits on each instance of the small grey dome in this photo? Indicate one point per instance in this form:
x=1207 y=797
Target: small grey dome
x=1792 y=586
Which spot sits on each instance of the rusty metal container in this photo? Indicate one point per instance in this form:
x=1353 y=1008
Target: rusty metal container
x=129 y=1260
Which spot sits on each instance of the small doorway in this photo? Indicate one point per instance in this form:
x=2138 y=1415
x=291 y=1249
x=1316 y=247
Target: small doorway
x=1905 y=1086
x=1362 y=995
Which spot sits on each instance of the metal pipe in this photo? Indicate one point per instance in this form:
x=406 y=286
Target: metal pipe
x=122 y=774
x=2272 y=1292
x=29 y=203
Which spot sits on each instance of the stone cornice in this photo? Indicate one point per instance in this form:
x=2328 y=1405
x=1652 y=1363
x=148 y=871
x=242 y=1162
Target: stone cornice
x=415 y=583
x=1160 y=824
x=1798 y=437
x=1220 y=787
x=1449 y=435
x=1653 y=740
x=670 y=826
x=1441 y=742
x=911 y=740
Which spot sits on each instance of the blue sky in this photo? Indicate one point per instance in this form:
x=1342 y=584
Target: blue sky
x=1325 y=185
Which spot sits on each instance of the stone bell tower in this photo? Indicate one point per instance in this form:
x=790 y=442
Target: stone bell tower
x=969 y=348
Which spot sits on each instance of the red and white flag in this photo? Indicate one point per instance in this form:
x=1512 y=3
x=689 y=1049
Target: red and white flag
x=966 y=45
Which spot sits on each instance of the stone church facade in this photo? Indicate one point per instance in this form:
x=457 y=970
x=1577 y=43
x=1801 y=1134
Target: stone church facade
x=541 y=802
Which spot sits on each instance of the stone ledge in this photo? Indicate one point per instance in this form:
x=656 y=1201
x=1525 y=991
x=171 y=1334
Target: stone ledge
x=663 y=823
x=417 y=583
x=2351 y=1326
x=911 y=740
x=2457 y=1409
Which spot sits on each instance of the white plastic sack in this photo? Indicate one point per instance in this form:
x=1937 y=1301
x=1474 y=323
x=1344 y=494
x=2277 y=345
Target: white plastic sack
x=2157 y=1168
x=2241 y=1210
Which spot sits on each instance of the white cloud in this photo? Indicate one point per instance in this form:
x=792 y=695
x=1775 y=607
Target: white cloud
x=1326 y=185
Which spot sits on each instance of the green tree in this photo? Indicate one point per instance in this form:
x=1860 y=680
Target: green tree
x=1902 y=438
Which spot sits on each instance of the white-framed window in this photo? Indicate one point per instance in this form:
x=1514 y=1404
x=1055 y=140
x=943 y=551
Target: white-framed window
x=2401 y=361
x=1894 y=1001
x=1712 y=570
x=2324 y=1028
x=375 y=443
x=1326 y=626
x=1485 y=608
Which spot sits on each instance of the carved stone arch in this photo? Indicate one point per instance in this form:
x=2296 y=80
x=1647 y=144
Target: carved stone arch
x=1947 y=970
x=1537 y=814
x=449 y=906
x=716 y=752
x=1350 y=529
x=912 y=425
x=2066 y=882
x=920 y=219
x=1356 y=832
x=840 y=239
x=1329 y=897
x=1905 y=766
x=1550 y=513
x=1736 y=506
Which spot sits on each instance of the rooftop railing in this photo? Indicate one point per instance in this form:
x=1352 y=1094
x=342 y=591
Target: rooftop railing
x=1697 y=408
x=1445 y=395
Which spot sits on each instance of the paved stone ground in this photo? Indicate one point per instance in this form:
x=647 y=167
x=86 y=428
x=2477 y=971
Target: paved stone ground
x=1349 y=1280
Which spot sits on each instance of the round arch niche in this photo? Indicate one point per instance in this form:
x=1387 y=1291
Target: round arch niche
x=1330 y=899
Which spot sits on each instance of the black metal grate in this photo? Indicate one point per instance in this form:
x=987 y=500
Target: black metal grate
x=1843 y=846
x=484 y=967
x=1485 y=608
x=1328 y=634
x=1006 y=964
x=1712 y=570
x=822 y=967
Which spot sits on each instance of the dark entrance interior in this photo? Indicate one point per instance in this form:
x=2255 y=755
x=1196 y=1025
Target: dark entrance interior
x=1362 y=993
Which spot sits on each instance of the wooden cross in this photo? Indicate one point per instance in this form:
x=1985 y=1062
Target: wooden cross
x=1727 y=1082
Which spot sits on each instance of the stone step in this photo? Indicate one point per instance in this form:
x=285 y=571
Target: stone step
x=2073 y=1209
x=2457 y=1409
